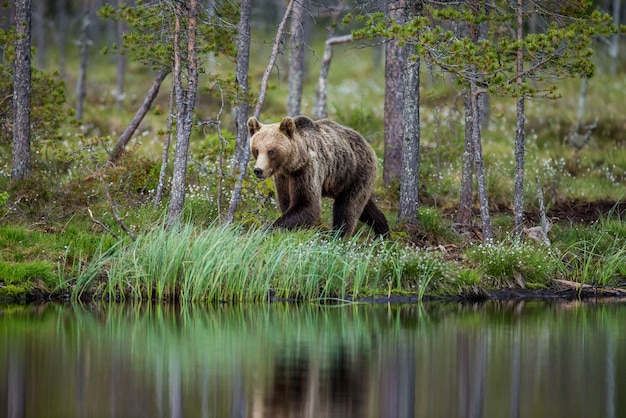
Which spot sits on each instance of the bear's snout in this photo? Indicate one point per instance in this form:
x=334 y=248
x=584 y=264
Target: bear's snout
x=258 y=172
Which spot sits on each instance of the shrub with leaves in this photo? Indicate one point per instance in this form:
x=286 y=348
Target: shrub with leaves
x=47 y=98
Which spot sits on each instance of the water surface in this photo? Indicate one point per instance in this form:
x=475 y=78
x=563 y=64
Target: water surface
x=525 y=359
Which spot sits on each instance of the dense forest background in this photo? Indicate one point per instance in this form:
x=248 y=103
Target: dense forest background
x=96 y=62
x=499 y=128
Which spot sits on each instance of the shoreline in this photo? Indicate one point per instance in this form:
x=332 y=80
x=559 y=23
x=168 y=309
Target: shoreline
x=561 y=293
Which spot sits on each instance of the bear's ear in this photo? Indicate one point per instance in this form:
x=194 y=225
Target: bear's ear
x=253 y=126
x=287 y=126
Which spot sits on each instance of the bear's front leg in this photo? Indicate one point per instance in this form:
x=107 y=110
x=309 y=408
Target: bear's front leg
x=281 y=184
x=299 y=216
x=304 y=209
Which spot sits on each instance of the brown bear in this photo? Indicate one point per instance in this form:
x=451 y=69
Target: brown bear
x=310 y=159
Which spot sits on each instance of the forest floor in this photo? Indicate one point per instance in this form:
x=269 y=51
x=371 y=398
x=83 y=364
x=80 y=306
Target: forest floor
x=566 y=213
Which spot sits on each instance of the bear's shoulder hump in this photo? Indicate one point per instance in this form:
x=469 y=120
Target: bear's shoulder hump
x=303 y=123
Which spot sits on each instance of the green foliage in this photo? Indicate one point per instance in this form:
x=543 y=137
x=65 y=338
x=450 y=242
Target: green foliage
x=21 y=273
x=150 y=39
x=47 y=100
x=562 y=49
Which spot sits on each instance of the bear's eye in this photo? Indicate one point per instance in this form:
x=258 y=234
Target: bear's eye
x=270 y=153
x=255 y=152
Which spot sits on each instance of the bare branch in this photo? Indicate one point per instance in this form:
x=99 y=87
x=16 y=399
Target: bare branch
x=320 y=110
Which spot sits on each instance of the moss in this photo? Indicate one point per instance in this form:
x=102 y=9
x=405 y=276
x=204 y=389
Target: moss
x=12 y=293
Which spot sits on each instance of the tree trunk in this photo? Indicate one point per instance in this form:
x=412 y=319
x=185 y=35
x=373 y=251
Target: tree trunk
x=185 y=104
x=518 y=188
x=236 y=196
x=582 y=102
x=241 y=156
x=296 y=61
x=482 y=32
x=21 y=166
x=464 y=213
x=61 y=34
x=466 y=195
x=392 y=166
x=39 y=17
x=158 y=196
x=614 y=45
x=409 y=179
x=479 y=165
x=81 y=86
x=320 y=110
x=121 y=59
x=139 y=115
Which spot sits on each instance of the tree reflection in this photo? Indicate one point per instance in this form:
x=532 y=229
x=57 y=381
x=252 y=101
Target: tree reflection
x=434 y=360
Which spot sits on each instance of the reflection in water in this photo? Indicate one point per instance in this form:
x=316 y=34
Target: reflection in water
x=432 y=360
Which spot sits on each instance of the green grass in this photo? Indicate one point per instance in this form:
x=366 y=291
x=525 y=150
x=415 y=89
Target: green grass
x=596 y=255
x=230 y=264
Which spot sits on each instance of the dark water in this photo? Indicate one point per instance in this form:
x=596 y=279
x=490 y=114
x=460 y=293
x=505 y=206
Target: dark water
x=527 y=359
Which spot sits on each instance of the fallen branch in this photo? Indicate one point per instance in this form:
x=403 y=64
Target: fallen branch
x=589 y=289
x=101 y=224
x=121 y=143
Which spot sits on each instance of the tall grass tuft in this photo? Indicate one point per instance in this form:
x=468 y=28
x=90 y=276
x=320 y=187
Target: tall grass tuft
x=510 y=263
x=596 y=255
x=230 y=264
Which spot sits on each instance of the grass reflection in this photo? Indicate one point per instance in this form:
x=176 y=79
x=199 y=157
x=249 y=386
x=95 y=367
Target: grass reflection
x=311 y=360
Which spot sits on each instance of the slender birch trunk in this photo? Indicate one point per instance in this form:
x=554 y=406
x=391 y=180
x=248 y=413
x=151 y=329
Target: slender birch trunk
x=409 y=178
x=81 y=85
x=464 y=213
x=614 y=43
x=466 y=194
x=518 y=189
x=241 y=157
x=479 y=165
x=121 y=60
x=185 y=104
x=236 y=196
x=296 y=61
x=320 y=110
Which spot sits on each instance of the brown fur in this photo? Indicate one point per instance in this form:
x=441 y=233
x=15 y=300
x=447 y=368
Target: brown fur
x=310 y=159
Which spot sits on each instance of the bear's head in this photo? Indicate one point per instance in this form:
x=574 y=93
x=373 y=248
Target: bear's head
x=274 y=147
